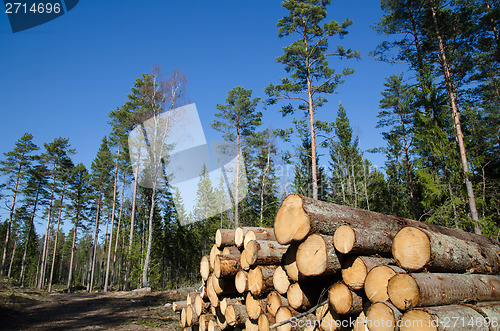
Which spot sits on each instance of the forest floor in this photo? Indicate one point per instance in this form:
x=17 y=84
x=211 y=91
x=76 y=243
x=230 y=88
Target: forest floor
x=29 y=309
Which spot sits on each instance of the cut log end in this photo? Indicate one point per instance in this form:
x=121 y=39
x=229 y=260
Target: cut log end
x=411 y=248
x=253 y=306
x=354 y=273
x=241 y=282
x=274 y=302
x=315 y=256
x=280 y=280
x=381 y=317
x=376 y=283
x=403 y=291
x=341 y=298
x=205 y=268
x=291 y=222
x=344 y=239
x=239 y=236
x=263 y=322
x=218 y=238
x=282 y=315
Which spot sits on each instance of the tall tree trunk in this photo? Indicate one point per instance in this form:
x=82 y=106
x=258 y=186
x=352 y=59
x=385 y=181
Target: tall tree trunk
x=13 y=254
x=41 y=280
x=147 y=259
x=132 y=219
x=94 y=248
x=9 y=224
x=106 y=280
x=450 y=87
x=237 y=188
x=313 y=135
x=75 y=229
x=117 y=235
x=27 y=243
x=56 y=239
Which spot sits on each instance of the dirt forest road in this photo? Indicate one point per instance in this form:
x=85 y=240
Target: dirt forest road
x=28 y=309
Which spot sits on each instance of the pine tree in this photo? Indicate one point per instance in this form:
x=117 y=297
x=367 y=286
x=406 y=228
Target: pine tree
x=237 y=120
x=78 y=193
x=306 y=59
x=102 y=167
x=15 y=167
x=55 y=154
x=66 y=169
x=35 y=195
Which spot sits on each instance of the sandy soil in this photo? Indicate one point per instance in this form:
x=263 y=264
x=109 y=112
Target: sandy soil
x=28 y=309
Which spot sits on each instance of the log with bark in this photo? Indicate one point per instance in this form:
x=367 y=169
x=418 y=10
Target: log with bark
x=426 y=289
x=263 y=252
x=356 y=268
x=350 y=239
x=224 y=237
x=416 y=248
x=227 y=265
x=240 y=233
x=260 y=280
x=299 y=216
x=480 y=317
x=259 y=234
x=178 y=305
x=236 y=315
x=225 y=302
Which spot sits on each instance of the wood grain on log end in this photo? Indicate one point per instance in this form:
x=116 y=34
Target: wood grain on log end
x=291 y=222
x=411 y=248
x=281 y=281
x=382 y=316
x=240 y=281
x=316 y=256
x=377 y=280
x=403 y=291
x=344 y=300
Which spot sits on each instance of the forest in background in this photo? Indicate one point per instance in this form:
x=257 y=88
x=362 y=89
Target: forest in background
x=440 y=120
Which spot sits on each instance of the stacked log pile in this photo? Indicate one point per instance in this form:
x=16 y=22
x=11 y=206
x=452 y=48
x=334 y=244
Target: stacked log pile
x=329 y=267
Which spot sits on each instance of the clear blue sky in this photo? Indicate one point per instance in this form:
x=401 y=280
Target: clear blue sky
x=62 y=78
